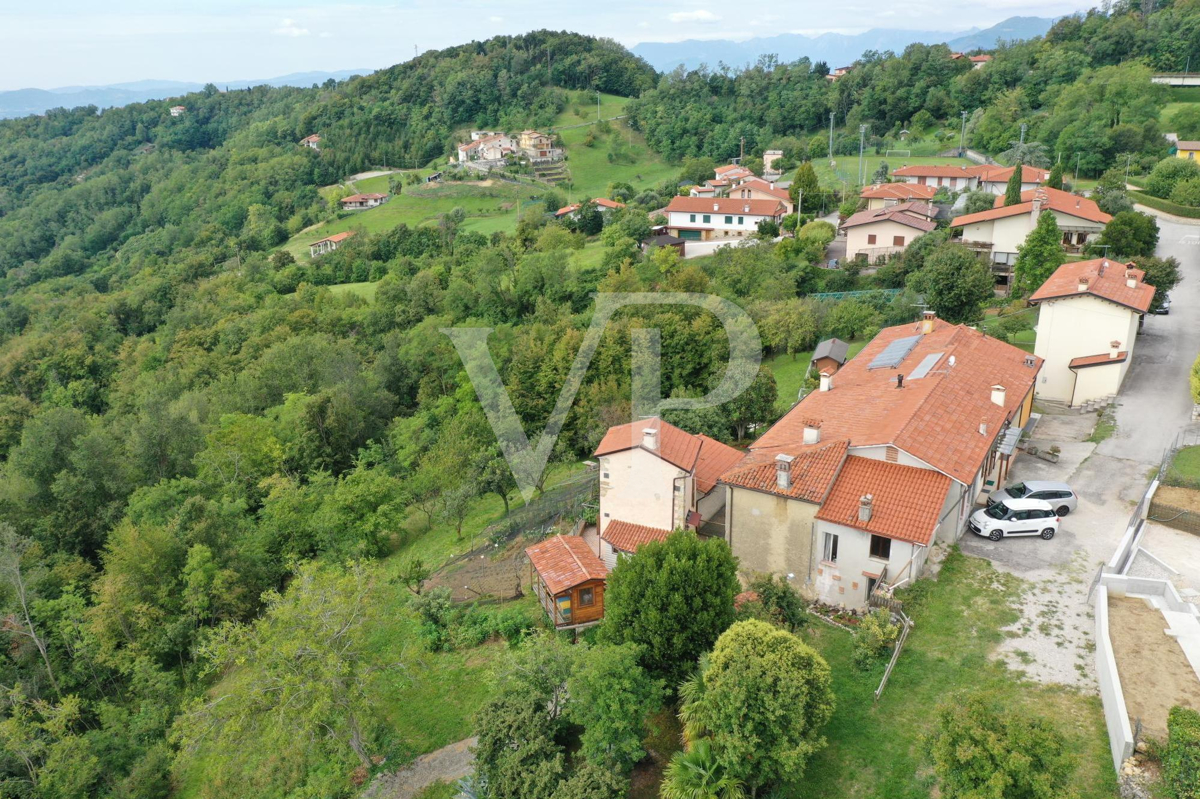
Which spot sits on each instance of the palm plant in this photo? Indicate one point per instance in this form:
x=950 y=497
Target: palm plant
x=696 y=773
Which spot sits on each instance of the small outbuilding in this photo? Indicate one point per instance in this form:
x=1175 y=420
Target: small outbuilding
x=568 y=579
x=664 y=240
x=829 y=356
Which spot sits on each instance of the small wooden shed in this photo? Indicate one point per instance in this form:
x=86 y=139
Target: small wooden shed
x=568 y=579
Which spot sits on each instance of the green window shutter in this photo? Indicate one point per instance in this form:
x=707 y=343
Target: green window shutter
x=707 y=219
x=693 y=218
x=729 y=220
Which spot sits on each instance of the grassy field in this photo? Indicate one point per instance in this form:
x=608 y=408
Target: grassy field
x=364 y=290
x=591 y=171
x=420 y=205
x=789 y=373
x=875 y=749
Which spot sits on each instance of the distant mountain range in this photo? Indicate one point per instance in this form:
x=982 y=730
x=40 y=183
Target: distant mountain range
x=835 y=49
x=22 y=102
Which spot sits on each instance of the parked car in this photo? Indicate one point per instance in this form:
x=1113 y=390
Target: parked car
x=1164 y=307
x=1059 y=495
x=1015 y=517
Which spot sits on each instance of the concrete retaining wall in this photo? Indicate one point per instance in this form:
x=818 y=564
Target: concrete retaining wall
x=1116 y=717
x=1120 y=585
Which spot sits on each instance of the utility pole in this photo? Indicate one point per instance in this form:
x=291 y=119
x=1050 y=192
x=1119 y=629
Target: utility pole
x=1023 y=126
x=597 y=105
x=1128 y=161
x=962 y=136
x=831 y=137
x=742 y=150
x=1077 y=156
x=862 y=143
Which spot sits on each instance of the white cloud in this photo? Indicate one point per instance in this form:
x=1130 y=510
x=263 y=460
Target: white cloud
x=290 y=28
x=700 y=15
x=495 y=19
x=325 y=35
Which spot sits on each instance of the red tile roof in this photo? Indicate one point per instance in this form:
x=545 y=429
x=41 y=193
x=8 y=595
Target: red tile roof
x=934 y=171
x=732 y=170
x=935 y=418
x=1097 y=360
x=1052 y=200
x=356 y=198
x=725 y=205
x=335 y=238
x=675 y=446
x=604 y=202
x=714 y=460
x=906 y=501
x=1106 y=279
x=567 y=209
x=564 y=562
x=627 y=536
x=812 y=470
x=993 y=173
x=766 y=187
x=314 y=138
x=898 y=191
x=912 y=214
x=980 y=59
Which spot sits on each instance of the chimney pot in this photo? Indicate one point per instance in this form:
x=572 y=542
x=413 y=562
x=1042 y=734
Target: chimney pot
x=998 y=395
x=983 y=427
x=1114 y=349
x=899 y=380
x=716 y=206
x=927 y=320
x=865 y=503
x=1083 y=284
x=783 y=470
x=812 y=432
x=826 y=381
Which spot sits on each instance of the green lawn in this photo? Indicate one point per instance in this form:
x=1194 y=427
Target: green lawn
x=421 y=205
x=1185 y=467
x=591 y=171
x=875 y=750
x=789 y=373
x=364 y=290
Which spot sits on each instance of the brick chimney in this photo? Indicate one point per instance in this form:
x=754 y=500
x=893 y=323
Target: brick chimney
x=783 y=470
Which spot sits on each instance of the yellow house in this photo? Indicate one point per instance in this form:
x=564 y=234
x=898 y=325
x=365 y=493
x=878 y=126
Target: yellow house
x=1088 y=318
x=1187 y=149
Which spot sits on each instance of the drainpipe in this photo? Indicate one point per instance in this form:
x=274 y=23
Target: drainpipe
x=674 y=484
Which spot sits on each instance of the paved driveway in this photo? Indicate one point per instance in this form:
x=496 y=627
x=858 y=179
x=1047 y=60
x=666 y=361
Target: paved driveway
x=1052 y=642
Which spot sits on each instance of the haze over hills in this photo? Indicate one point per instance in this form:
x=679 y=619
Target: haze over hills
x=22 y=102
x=836 y=49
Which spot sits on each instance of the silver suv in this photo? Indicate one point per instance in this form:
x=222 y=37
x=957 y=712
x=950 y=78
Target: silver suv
x=1015 y=517
x=1059 y=495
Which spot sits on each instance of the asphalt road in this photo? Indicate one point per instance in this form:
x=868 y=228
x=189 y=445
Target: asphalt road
x=1155 y=403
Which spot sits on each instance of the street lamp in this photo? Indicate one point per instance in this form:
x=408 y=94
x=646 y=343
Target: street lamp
x=862 y=140
x=1077 y=157
x=831 y=137
x=962 y=136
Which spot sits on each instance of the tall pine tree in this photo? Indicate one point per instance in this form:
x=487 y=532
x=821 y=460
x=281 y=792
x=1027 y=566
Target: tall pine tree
x=1055 y=181
x=1012 y=194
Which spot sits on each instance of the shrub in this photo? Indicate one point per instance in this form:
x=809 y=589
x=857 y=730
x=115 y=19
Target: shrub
x=782 y=604
x=1181 y=762
x=877 y=633
x=1168 y=173
x=1187 y=192
x=1194 y=380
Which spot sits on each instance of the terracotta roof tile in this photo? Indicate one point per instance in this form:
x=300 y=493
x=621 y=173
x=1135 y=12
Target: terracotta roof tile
x=1097 y=360
x=812 y=470
x=911 y=214
x=353 y=198
x=725 y=205
x=933 y=171
x=628 y=537
x=766 y=187
x=906 y=501
x=335 y=238
x=1052 y=200
x=1106 y=279
x=994 y=173
x=898 y=191
x=714 y=460
x=674 y=445
x=935 y=418
x=565 y=561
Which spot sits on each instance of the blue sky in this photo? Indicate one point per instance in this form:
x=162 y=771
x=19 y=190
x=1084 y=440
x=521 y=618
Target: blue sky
x=73 y=42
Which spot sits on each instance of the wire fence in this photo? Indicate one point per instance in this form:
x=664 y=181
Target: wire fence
x=566 y=500
x=1180 y=468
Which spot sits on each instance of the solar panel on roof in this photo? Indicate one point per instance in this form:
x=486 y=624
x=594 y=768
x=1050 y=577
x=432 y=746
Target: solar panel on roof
x=927 y=363
x=893 y=354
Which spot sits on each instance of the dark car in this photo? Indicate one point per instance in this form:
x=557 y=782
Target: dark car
x=1164 y=307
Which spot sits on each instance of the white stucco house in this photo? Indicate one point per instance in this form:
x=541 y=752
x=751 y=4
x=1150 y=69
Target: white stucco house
x=489 y=147
x=359 y=202
x=328 y=244
x=656 y=478
x=880 y=232
x=755 y=188
x=955 y=178
x=1089 y=313
x=1000 y=230
x=706 y=219
x=847 y=492
x=312 y=142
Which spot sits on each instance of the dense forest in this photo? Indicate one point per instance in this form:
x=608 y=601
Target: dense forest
x=196 y=434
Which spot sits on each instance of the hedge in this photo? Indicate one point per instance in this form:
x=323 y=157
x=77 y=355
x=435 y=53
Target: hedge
x=1181 y=765
x=1166 y=206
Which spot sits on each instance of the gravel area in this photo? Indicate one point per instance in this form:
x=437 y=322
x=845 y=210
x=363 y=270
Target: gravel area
x=448 y=764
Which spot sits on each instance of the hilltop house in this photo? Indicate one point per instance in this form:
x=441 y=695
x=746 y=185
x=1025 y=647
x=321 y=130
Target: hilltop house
x=999 y=231
x=702 y=219
x=846 y=493
x=875 y=234
x=603 y=203
x=328 y=244
x=1089 y=313
x=838 y=73
x=656 y=478
x=755 y=188
x=312 y=142
x=489 y=147
x=538 y=147
x=883 y=195
x=568 y=580
x=977 y=61
x=357 y=202
x=178 y=110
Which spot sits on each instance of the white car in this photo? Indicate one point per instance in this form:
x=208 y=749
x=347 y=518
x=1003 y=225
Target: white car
x=1014 y=517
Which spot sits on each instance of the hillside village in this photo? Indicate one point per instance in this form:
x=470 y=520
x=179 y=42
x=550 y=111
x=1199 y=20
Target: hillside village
x=268 y=525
